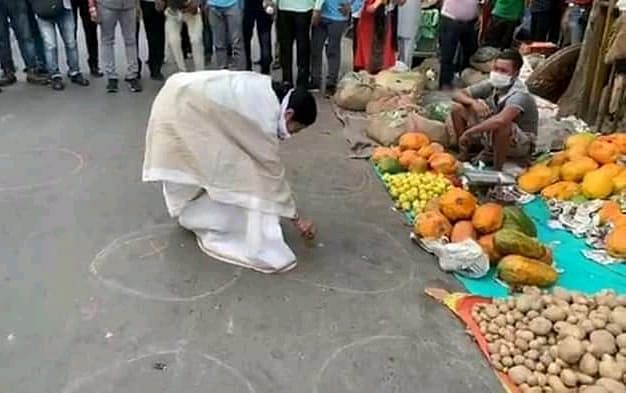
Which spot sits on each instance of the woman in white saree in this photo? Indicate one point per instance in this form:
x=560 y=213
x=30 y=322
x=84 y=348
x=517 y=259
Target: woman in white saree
x=212 y=140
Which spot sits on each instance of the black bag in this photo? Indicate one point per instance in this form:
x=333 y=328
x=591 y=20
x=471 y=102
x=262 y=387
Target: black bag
x=47 y=9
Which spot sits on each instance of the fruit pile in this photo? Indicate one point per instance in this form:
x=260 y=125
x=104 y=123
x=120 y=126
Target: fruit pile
x=588 y=167
x=506 y=235
x=413 y=191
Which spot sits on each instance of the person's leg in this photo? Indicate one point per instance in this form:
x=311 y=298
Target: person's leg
x=6 y=57
x=185 y=42
x=493 y=36
x=49 y=35
x=207 y=36
x=18 y=15
x=128 y=24
x=554 y=26
x=448 y=42
x=173 y=25
x=108 y=21
x=154 y=25
x=333 y=53
x=501 y=139
x=67 y=28
x=91 y=38
x=541 y=22
x=285 y=32
x=469 y=42
x=233 y=18
x=249 y=17
x=319 y=34
x=355 y=26
x=194 y=28
x=303 y=46
x=218 y=28
x=575 y=27
x=459 y=115
x=264 y=31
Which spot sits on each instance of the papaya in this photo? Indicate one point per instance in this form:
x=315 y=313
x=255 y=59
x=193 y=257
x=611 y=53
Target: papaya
x=583 y=139
x=558 y=159
x=619 y=182
x=488 y=218
x=537 y=178
x=515 y=218
x=432 y=225
x=597 y=185
x=389 y=165
x=382 y=152
x=517 y=270
x=461 y=231
x=603 y=152
x=612 y=169
x=609 y=211
x=562 y=191
x=615 y=242
x=577 y=169
x=510 y=241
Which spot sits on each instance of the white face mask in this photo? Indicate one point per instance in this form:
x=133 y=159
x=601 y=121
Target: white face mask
x=499 y=80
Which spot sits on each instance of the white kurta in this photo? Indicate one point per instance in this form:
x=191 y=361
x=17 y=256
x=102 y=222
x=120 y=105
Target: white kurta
x=236 y=215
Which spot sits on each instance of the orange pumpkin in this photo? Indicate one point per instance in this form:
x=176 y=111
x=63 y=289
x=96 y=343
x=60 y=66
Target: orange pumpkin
x=488 y=218
x=443 y=163
x=429 y=150
x=418 y=165
x=382 y=152
x=433 y=205
x=612 y=169
x=615 y=242
x=432 y=225
x=462 y=230
x=407 y=157
x=603 y=152
x=457 y=204
x=487 y=244
x=558 y=159
x=618 y=139
x=609 y=211
x=413 y=141
x=619 y=221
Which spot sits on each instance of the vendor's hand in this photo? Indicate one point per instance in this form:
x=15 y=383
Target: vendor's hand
x=306 y=228
x=159 y=5
x=481 y=108
x=315 y=19
x=465 y=142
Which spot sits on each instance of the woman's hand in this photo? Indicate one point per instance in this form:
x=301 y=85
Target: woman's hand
x=306 y=228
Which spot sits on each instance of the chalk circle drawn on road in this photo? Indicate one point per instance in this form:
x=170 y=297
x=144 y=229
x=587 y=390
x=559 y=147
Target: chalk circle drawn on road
x=162 y=263
x=332 y=176
x=164 y=371
x=37 y=168
x=351 y=256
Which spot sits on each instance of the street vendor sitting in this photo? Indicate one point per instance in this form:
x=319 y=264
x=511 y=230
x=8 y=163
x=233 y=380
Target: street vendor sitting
x=497 y=115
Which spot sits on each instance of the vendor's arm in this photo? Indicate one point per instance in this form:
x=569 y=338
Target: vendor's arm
x=473 y=97
x=506 y=117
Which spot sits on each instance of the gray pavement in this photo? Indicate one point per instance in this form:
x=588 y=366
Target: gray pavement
x=100 y=292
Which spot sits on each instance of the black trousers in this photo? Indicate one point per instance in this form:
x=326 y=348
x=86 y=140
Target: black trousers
x=453 y=34
x=545 y=26
x=253 y=12
x=294 y=26
x=500 y=33
x=91 y=31
x=154 y=24
x=355 y=27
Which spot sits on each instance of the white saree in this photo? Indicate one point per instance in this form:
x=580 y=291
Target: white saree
x=212 y=141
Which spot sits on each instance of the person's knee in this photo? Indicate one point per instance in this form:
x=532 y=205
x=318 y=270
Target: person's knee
x=458 y=109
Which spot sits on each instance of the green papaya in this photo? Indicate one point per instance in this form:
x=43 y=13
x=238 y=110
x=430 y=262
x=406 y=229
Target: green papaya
x=389 y=165
x=509 y=241
x=515 y=218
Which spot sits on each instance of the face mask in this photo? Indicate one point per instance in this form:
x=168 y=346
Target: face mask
x=499 y=80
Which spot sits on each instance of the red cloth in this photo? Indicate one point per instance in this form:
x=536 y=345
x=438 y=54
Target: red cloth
x=370 y=44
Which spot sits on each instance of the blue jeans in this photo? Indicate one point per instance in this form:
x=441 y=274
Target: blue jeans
x=65 y=22
x=578 y=17
x=17 y=12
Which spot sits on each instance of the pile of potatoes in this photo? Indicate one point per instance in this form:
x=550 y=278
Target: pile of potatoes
x=559 y=342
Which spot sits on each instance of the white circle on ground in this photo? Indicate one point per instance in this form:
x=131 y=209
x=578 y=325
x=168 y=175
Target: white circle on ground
x=332 y=175
x=26 y=170
x=164 y=372
x=162 y=263
x=351 y=256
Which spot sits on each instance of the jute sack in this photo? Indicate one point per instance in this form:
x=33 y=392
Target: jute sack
x=389 y=103
x=387 y=127
x=401 y=82
x=617 y=48
x=354 y=91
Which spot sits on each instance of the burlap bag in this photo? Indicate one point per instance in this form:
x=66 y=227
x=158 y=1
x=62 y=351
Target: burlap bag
x=401 y=82
x=354 y=91
x=617 y=47
x=389 y=103
x=387 y=127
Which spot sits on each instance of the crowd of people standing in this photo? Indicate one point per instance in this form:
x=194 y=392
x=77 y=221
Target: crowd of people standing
x=384 y=31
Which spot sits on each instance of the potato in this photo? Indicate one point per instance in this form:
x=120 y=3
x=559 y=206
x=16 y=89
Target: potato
x=554 y=313
x=598 y=323
x=542 y=379
x=530 y=364
x=611 y=386
x=609 y=368
x=602 y=342
x=507 y=361
x=518 y=359
x=525 y=335
x=519 y=374
x=614 y=329
x=621 y=340
x=618 y=316
x=532 y=354
x=540 y=326
x=556 y=384
x=594 y=389
x=532 y=380
x=574 y=318
x=534 y=344
x=554 y=369
x=510 y=320
x=561 y=294
x=492 y=311
x=540 y=367
x=584 y=379
x=588 y=364
x=521 y=344
x=580 y=299
x=565 y=329
x=523 y=303
x=569 y=378
x=586 y=326
x=570 y=350
x=546 y=359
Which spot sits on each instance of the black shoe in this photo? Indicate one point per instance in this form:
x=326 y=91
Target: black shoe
x=112 y=86
x=135 y=85
x=157 y=76
x=330 y=91
x=79 y=80
x=57 y=83
x=95 y=72
x=37 y=79
x=8 y=78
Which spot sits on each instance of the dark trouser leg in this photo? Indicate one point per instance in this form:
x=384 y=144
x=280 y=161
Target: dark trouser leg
x=319 y=34
x=249 y=16
x=286 y=35
x=469 y=42
x=90 y=29
x=18 y=14
x=554 y=31
x=540 y=25
x=154 y=25
x=207 y=37
x=6 y=57
x=355 y=26
x=303 y=46
x=40 y=51
x=448 y=42
x=185 y=41
x=500 y=33
x=264 y=31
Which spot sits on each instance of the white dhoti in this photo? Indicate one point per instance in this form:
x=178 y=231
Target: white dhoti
x=212 y=141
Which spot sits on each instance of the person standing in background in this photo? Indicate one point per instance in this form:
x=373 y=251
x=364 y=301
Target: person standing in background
x=177 y=14
x=578 y=16
x=356 y=14
x=294 y=24
x=545 y=20
x=90 y=28
x=458 y=23
x=262 y=13
x=154 y=25
x=207 y=36
x=110 y=13
x=505 y=17
x=409 y=18
x=329 y=23
x=40 y=50
x=376 y=37
x=225 y=17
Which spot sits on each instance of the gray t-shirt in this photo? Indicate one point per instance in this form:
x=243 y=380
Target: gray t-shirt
x=517 y=96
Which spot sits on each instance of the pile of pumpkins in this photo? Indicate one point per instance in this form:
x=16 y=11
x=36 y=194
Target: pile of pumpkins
x=506 y=235
x=414 y=153
x=615 y=241
x=588 y=167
